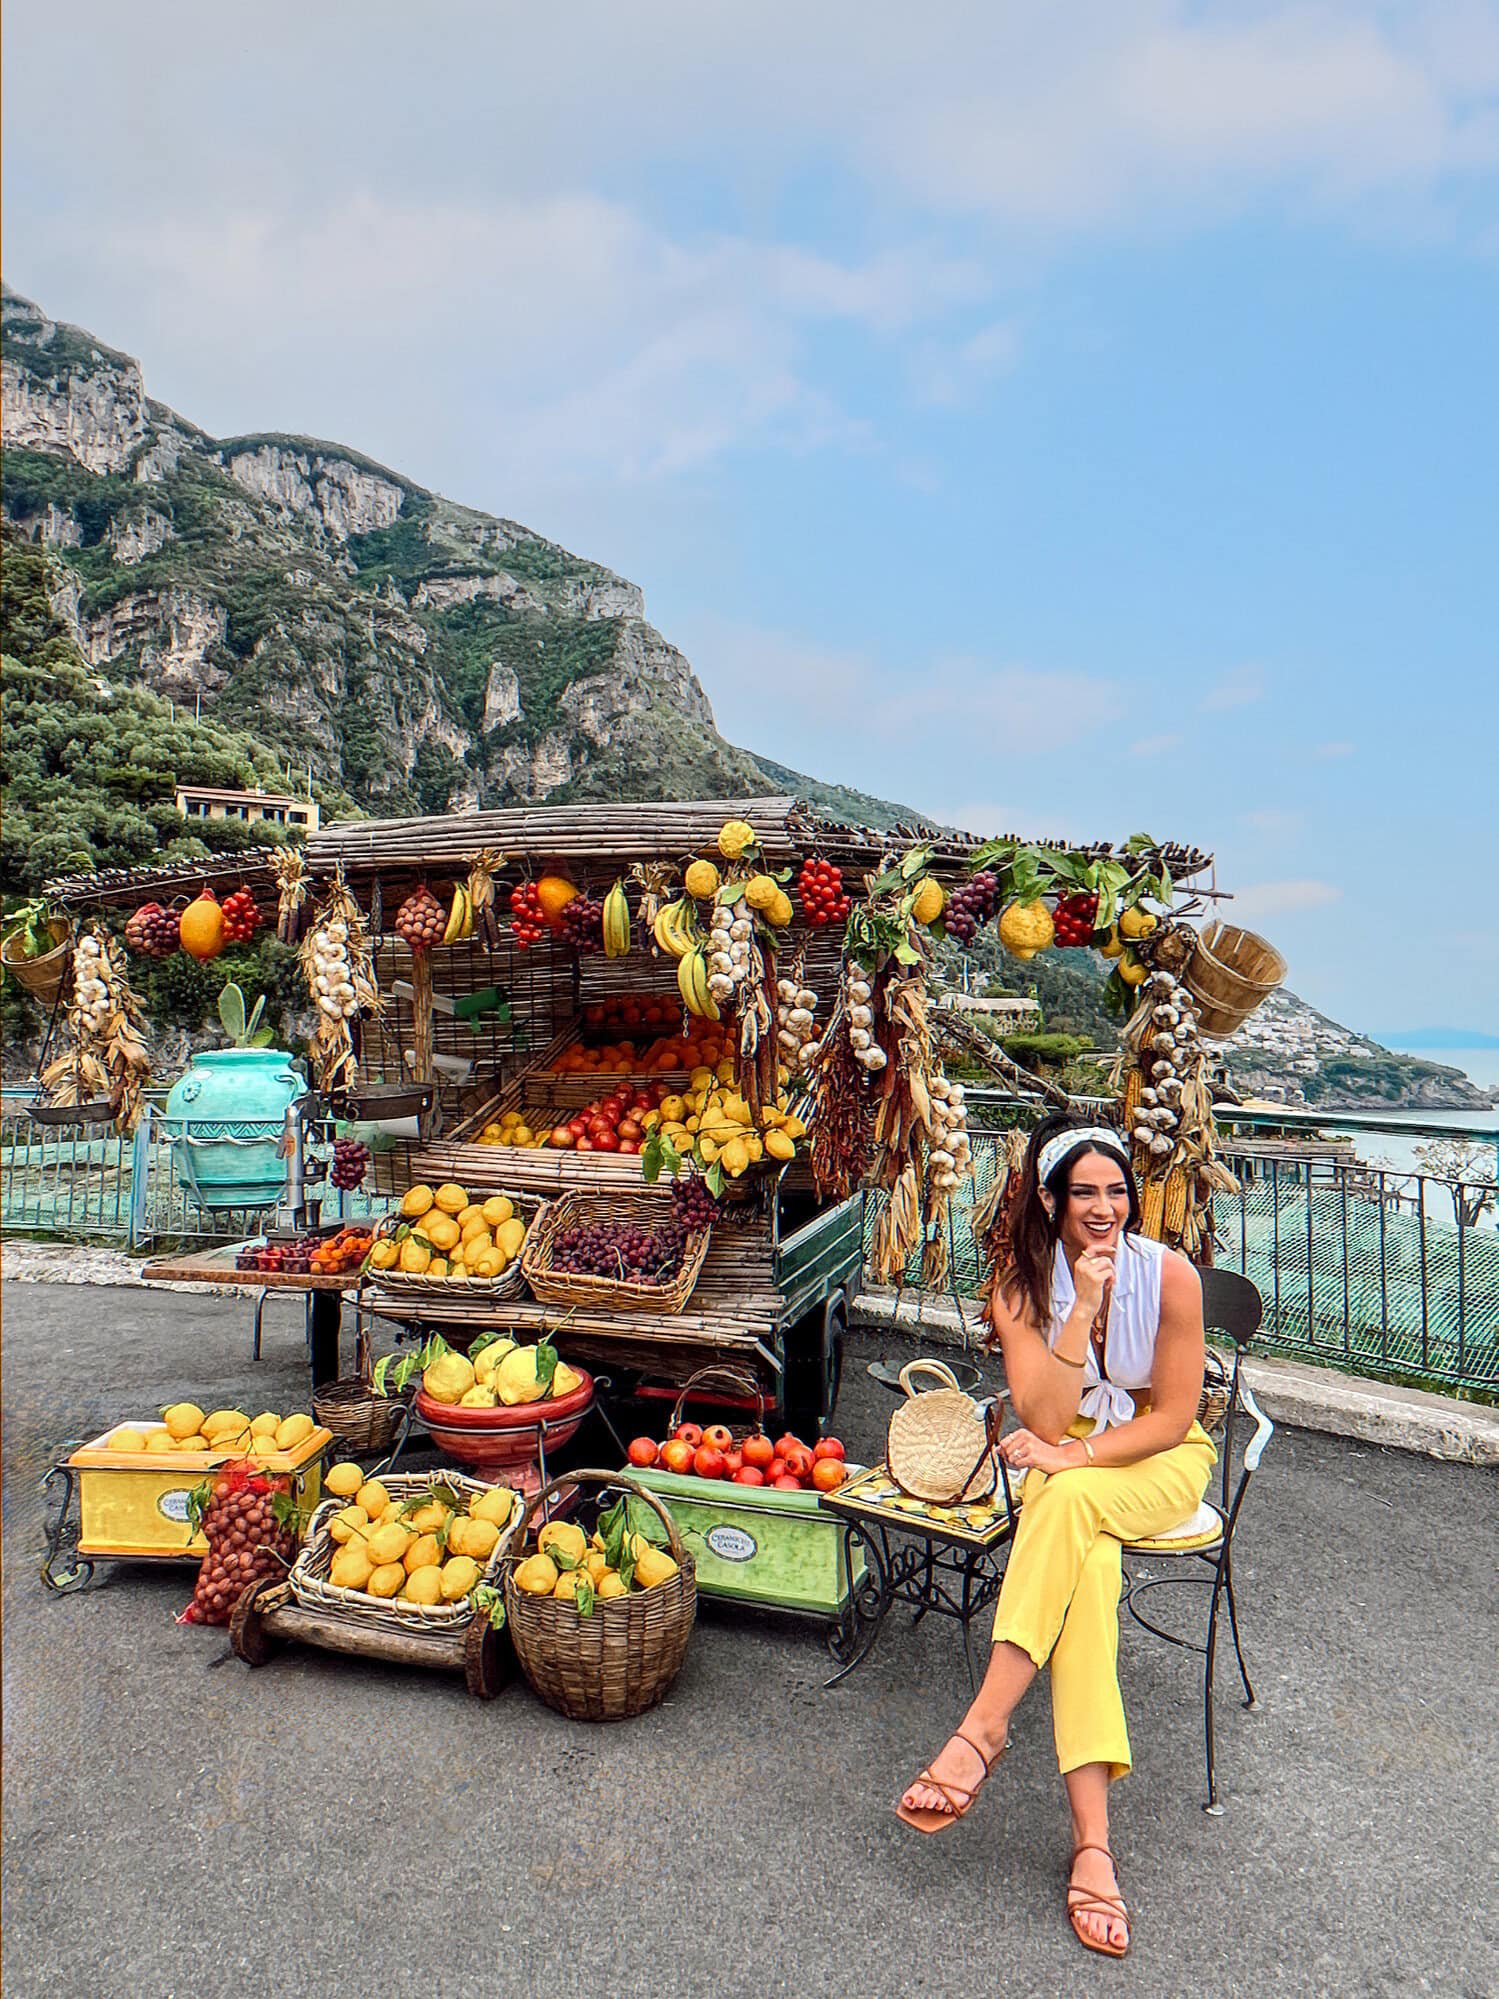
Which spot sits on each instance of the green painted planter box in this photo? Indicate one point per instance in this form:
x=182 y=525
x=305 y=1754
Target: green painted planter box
x=752 y=1545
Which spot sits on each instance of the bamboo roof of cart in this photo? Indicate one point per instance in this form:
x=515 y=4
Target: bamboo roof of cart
x=587 y=839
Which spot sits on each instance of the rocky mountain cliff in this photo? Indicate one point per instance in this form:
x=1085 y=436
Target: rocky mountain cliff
x=418 y=654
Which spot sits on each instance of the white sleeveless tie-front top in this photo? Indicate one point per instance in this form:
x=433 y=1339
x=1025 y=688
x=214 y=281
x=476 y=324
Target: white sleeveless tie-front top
x=1129 y=1343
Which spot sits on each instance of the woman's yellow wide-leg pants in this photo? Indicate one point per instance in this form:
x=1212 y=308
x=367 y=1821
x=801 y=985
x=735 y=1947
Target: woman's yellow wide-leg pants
x=1060 y=1596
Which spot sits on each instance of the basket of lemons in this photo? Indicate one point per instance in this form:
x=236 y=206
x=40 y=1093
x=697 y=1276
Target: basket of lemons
x=406 y=1550
x=445 y=1236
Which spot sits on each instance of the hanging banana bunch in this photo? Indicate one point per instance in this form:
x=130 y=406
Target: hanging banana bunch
x=617 y=922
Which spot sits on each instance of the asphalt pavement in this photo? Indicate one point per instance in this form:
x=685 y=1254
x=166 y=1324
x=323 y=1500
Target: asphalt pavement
x=180 y=1826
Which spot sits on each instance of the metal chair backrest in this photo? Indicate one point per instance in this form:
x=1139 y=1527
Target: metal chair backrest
x=1233 y=1307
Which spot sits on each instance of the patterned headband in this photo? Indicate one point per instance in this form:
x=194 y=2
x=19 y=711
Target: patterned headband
x=1057 y=1148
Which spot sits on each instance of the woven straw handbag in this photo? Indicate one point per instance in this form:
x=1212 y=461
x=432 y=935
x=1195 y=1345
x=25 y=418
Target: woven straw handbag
x=940 y=1444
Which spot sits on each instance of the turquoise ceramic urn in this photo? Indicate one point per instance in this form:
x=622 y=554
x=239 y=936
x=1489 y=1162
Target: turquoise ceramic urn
x=225 y=1118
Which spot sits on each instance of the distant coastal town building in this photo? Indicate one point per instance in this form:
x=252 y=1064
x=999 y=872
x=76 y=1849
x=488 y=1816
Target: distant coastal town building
x=1017 y=1016
x=202 y=801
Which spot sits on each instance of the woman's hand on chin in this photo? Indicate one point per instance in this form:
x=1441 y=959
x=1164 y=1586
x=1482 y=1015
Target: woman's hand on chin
x=1023 y=1450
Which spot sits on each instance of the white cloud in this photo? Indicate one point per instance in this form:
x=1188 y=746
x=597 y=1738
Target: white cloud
x=1154 y=746
x=1281 y=898
x=946 y=375
x=1329 y=752
x=1235 y=690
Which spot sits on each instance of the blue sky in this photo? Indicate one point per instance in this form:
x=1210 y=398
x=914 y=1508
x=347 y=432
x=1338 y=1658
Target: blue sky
x=1065 y=419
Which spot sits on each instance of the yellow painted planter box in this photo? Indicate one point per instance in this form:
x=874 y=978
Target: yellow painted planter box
x=134 y=1503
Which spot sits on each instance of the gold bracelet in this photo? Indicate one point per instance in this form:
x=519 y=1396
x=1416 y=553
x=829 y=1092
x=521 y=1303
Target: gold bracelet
x=1066 y=1362
x=1087 y=1449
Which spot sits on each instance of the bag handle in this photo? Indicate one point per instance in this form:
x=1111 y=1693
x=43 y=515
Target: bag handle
x=923 y=1365
x=618 y=1479
x=739 y=1379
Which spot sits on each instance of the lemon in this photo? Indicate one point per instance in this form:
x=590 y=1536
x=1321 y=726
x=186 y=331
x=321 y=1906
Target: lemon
x=373 y=1497
x=565 y=1379
x=416 y=1201
x=183 y=1419
x=478 y=1397
x=386 y=1580
x=266 y=1424
x=424 y=1553
x=479 y=1539
x=498 y=1208
x=451 y=1198
x=414 y=1256
x=384 y=1254
x=474 y=1212
x=509 y=1237
x=733 y=837
x=928 y=902
x=343 y=1480
x=1136 y=923
x=1027 y=927
x=1131 y=970
x=597 y=1566
x=652 y=1566
x=389 y=1541
x=610 y=1584
x=431 y=1517
x=448 y=1378
x=126 y=1440
x=352 y=1567
x=564 y=1536
x=295 y=1430
x=348 y=1524
x=493 y=1505
x=226 y=1422
x=515 y=1378
x=460 y=1574
x=423 y=1585
x=490 y=1357
x=158 y=1441
x=193 y=1444
x=537 y=1575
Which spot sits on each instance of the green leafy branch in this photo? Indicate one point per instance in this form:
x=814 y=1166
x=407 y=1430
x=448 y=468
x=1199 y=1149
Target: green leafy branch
x=394 y=1373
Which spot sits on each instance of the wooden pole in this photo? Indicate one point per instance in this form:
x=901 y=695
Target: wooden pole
x=422 y=1036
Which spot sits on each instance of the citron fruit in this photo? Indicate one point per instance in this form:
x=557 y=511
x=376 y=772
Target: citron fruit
x=565 y=1379
x=733 y=837
x=701 y=880
x=780 y=911
x=126 y=1440
x=373 y=1497
x=183 y=1419
x=423 y=1585
x=498 y=1208
x=478 y=1397
x=459 y=1576
x=479 y=1539
x=158 y=1441
x=348 y=1524
x=610 y=1584
x=266 y=1424
x=424 y=1553
x=387 y=1580
x=448 y=1378
x=929 y=901
x=1026 y=928
x=537 y=1575
x=493 y=1505
x=343 y=1480
x=416 y=1201
x=761 y=891
x=568 y=1538
x=295 y=1430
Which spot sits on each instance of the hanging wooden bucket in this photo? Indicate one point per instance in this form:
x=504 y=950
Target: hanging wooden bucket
x=1230 y=972
x=42 y=977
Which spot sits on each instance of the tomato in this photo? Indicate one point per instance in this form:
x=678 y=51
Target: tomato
x=758 y=1451
x=677 y=1455
x=785 y=1483
x=733 y=1463
x=828 y=1474
x=827 y=1447
x=690 y=1433
x=720 y=1436
x=642 y=1451
x=749 y=1475
x=707 y=1462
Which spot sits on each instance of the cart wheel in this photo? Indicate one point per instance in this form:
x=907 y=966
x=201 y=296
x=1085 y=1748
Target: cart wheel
x=248 y=1635
x=814 y=1369
x=485 y=1666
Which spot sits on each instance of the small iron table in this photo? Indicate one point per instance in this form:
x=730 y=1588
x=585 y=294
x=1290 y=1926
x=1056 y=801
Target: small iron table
x=934 y=1558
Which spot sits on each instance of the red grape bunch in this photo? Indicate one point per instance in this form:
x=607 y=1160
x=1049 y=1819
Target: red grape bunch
x=351 y=1161
x=1075 y=917
x=528 y=923
x=582 y=923
x=970 y=905
x=692 y=1203
x=820 y=886
x=623 y=1250
x=241 y=917
x=152 y=931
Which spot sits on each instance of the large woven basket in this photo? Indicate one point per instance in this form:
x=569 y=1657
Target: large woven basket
x=352 y=1407
x=309 y=1575
x=568 y=1288
x=42 y=977
x=1229 y=974
x=419 y=1288
x=620 y=1660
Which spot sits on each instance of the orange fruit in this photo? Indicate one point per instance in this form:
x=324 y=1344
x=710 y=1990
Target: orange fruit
x=201 y=927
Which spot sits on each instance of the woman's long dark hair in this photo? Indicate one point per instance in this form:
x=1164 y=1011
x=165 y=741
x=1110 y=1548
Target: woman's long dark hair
x=1026 y=1269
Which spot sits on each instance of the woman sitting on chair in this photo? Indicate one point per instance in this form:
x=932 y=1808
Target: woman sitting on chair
x=1101 y=1332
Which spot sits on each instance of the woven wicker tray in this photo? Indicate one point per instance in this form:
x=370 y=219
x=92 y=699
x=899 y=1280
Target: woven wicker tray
x=419 y=1287
x=568 y=1288
x=309 y=1575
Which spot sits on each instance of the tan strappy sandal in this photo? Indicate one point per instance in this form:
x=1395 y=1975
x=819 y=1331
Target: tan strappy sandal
x=925 y=1818
x=1091 y=1904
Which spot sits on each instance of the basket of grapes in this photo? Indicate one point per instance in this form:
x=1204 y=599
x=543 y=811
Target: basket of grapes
x=620 y=1251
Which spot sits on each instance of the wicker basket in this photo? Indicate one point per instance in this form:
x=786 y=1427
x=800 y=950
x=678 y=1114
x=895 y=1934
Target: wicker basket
x=569 y=1288
x=360 y=1417
x=1217 y=1392
x=42 y=977
x=739 y=1381
x=1230 y=972
x=309 y=1575
x=620 y=1660
x=418 y=1287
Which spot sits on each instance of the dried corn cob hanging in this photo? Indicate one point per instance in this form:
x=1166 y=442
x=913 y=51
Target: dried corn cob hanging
x=482 y=870
x=289 y=872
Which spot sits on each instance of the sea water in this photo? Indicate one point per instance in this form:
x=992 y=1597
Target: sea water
x=1481 y=1066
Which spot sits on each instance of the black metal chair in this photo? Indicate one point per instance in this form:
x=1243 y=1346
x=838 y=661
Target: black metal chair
x=1233 y=1308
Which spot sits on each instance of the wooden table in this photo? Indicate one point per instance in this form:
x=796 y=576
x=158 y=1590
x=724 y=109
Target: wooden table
x=217 y=1267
